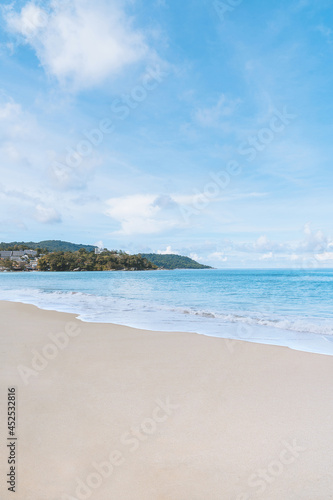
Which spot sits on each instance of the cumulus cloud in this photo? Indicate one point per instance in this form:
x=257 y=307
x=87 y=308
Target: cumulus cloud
x=167 y=251
x=28 y=22
x=267 y=256
x=315 y=246
x=141 y=214
x=325 y=256
x=314 y=241
x=260 y=245
x=218 y=257
x=149 y=213
x=81 y=43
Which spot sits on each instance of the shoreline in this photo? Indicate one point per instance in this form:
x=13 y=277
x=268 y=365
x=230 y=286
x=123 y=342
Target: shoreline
x=161 y=415
x=306 y=342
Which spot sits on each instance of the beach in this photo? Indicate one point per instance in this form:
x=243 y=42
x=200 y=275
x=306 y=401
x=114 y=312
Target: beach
x=107 y=411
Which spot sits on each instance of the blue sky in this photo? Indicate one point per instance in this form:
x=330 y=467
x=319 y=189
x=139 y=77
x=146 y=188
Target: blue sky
x=196 y=127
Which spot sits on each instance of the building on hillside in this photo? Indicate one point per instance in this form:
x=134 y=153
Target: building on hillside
x=32 y=266
x=15 y=254
x=30 y=253
x=5 y=254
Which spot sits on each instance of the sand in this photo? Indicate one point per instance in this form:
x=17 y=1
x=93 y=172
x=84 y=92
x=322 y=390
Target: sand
x=125 y=414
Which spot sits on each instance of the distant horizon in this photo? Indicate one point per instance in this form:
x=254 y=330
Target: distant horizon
x=306 y=266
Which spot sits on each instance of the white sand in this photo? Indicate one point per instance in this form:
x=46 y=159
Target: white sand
x=236 y=410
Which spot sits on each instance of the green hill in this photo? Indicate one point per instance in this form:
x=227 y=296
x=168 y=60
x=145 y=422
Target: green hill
x=172 y=261
x=50 y=245
x=83 y=260
x=165 y=261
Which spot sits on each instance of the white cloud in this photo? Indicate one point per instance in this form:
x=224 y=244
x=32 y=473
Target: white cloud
x=128 y=206
x=142 y=214
x=81 y=43
x=16 y=123
x=10 y=110
x=267 y=256
x=166 y=251
x=326 y=256
x=99 y=244
x=314 y=241
x=150 y=213
x=47 y=215
x=30 y=20
x=218 y=257
x=261 y=242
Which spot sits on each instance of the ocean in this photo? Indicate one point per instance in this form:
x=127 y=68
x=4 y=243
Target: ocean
x=283 y=307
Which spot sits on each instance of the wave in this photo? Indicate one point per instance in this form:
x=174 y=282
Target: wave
x=136 y=312
x=323 y=326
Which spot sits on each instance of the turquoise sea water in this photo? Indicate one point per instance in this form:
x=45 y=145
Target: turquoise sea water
x=283 y=307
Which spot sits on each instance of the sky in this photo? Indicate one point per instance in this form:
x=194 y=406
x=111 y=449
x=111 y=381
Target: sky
x=198 y=127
